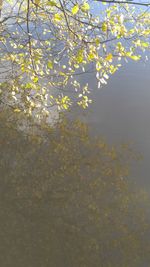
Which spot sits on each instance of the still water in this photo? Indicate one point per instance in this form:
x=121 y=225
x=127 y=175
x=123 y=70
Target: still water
x=67 y=195
x=77 y=194
x=121 y=112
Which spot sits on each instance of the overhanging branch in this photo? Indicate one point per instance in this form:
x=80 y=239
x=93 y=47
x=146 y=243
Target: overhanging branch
x=124 y=2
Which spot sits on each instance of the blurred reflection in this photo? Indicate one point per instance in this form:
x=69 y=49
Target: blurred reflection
x=66 y=200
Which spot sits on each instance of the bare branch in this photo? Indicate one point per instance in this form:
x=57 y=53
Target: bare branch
x=124 y=2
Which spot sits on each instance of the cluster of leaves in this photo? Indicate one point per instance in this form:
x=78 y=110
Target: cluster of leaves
x=47 y=44
x=66 y=200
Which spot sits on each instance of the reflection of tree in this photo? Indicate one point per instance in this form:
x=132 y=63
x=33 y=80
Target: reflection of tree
x=66 y=201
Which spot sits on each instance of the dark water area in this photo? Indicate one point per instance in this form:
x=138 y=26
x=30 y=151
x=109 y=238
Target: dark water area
x=67 y=199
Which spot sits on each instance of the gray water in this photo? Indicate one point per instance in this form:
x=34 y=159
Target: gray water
x=121 y=112
x=67 y=195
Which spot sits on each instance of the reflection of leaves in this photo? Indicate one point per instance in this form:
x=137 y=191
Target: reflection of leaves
x=66 y=200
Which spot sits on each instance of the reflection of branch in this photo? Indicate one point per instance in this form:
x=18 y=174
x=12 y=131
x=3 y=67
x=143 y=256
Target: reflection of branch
x=1 y=3
x=124 y=2
x=7 y=104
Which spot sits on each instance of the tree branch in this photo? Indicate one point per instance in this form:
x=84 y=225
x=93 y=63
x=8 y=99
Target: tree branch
x=124 y=2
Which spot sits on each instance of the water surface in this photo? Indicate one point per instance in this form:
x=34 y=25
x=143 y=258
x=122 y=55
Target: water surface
x=121 y=112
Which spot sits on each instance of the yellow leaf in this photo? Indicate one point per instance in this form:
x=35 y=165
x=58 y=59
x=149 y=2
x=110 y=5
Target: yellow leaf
x=37 y=2
x=17 y=110
x=85 y=7
x=35 y=79
x=80 y=56
x=98 y=66
x=104 y=27
x=109 y=57
x=50 y=64
x=75 y=9
x=51 y=3
x=134 y=57
x=57 y=17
